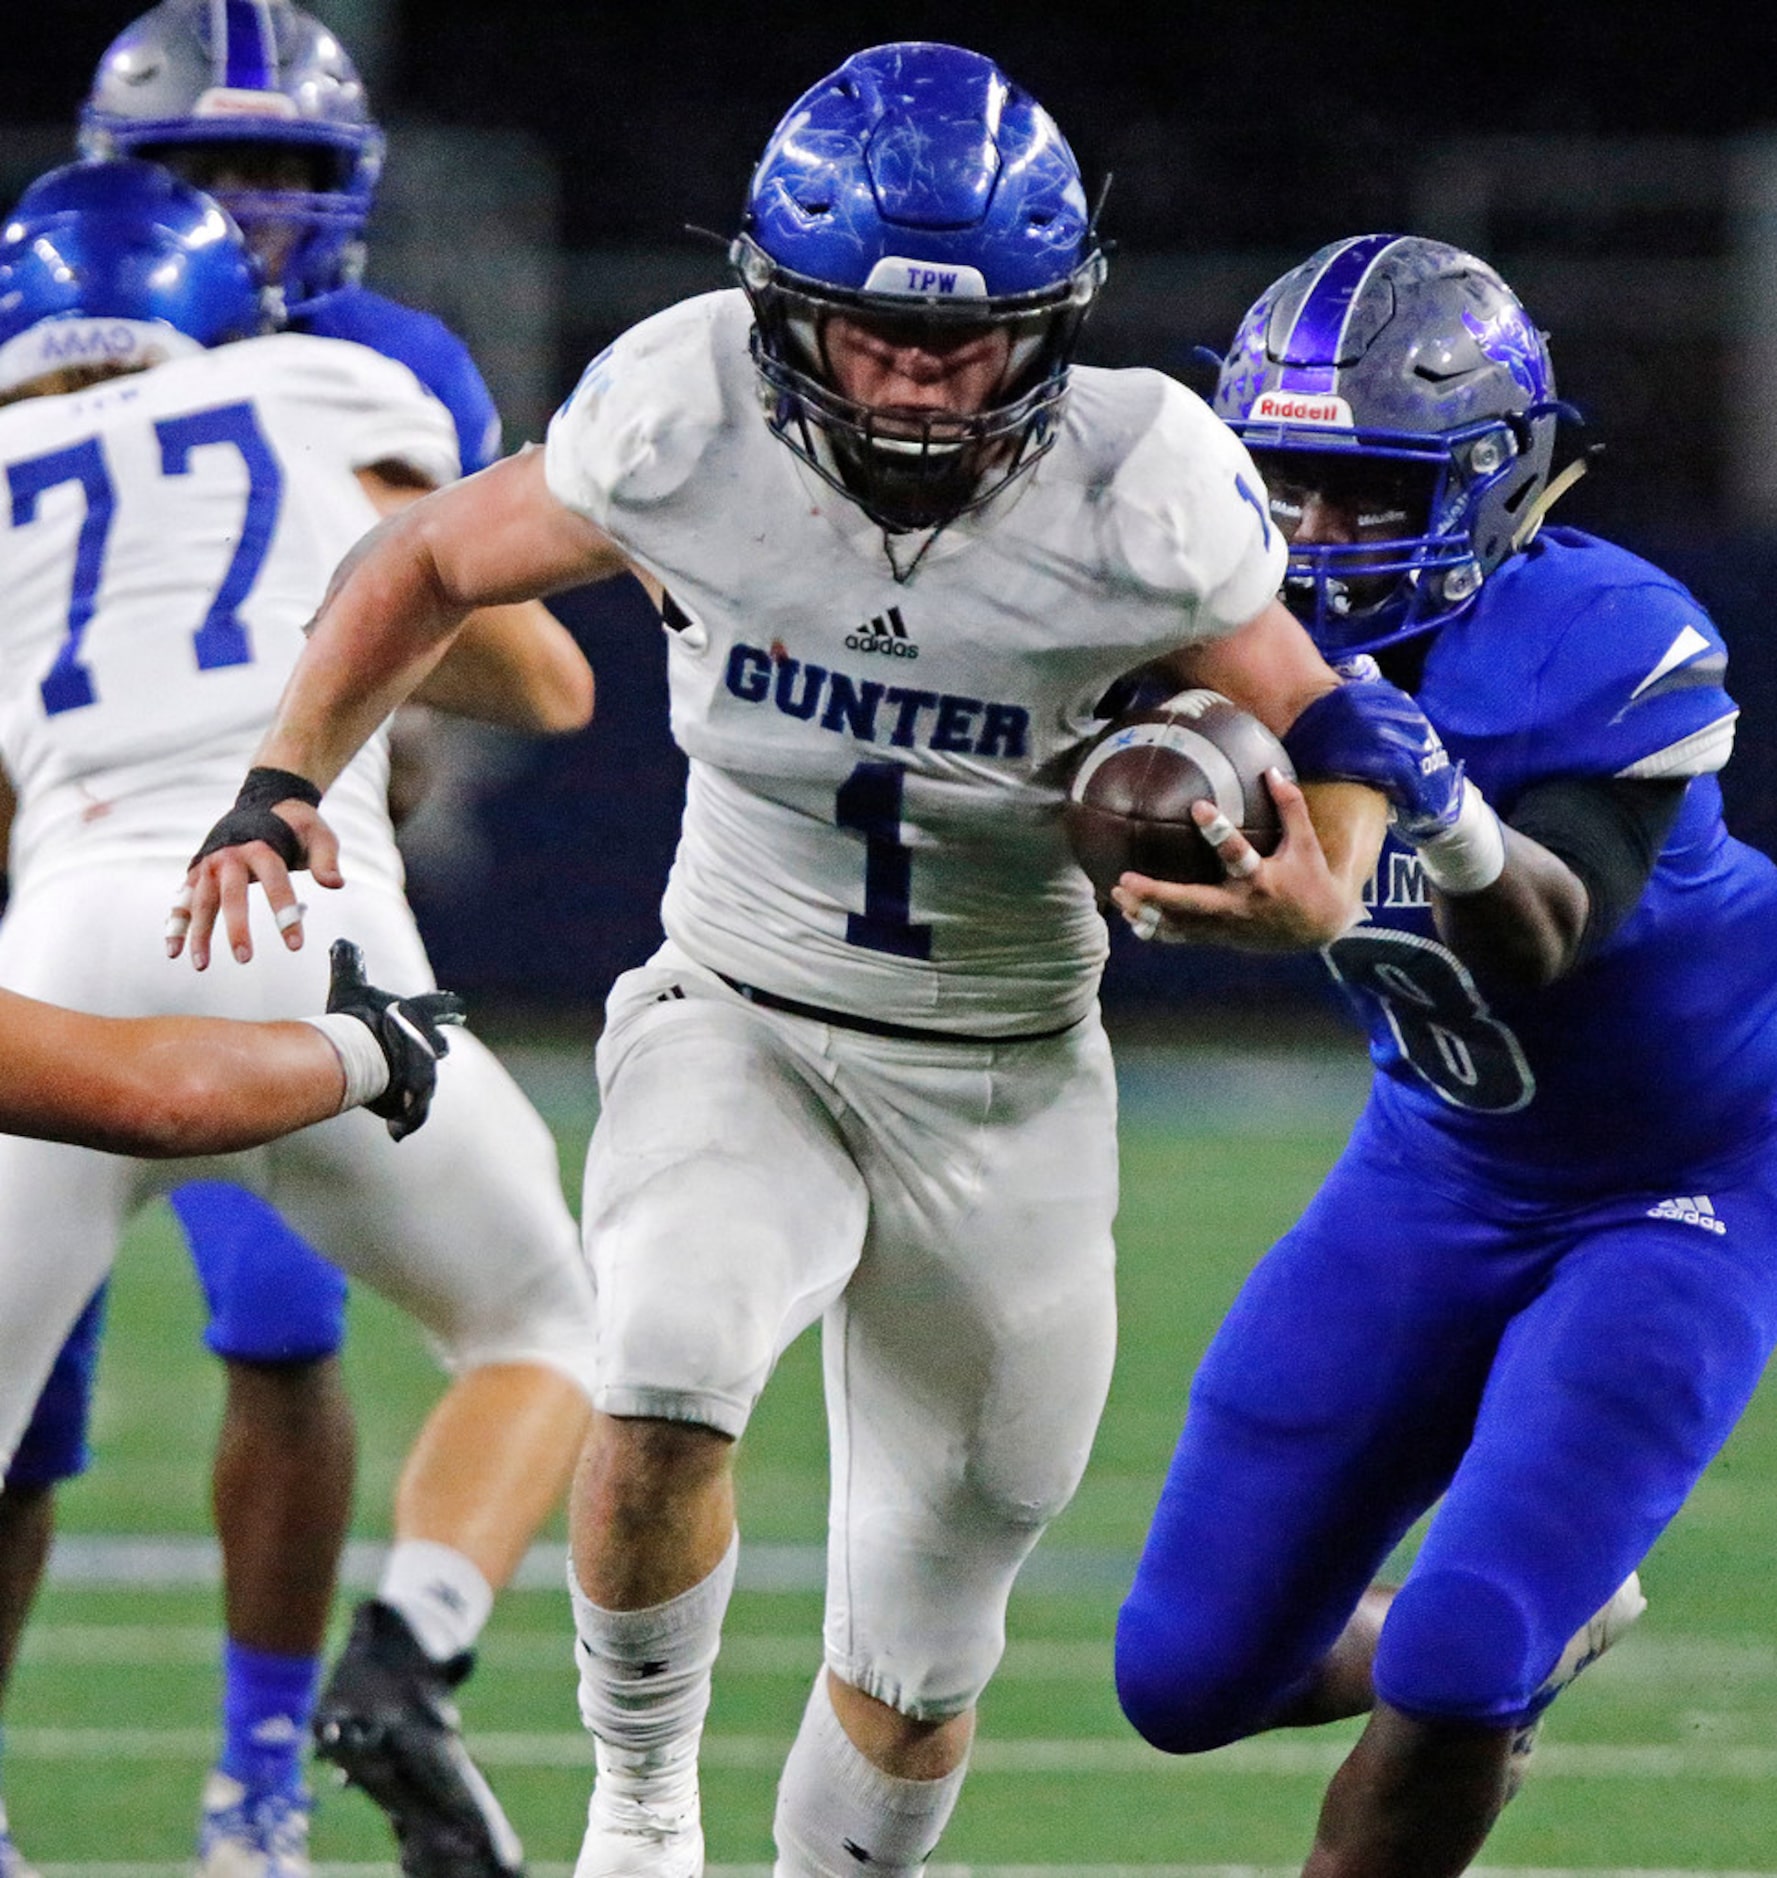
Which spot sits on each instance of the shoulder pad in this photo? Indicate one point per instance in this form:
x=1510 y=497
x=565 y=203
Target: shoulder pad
x=372 y=407
x=1186 y=510
x=1636 y=682
x=648 y=408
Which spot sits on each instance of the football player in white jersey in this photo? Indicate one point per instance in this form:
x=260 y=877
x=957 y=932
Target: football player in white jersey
x=257 y=103
x=901 y=553
x=174 y=515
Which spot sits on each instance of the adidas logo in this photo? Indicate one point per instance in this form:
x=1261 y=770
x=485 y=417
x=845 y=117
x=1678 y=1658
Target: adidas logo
x=1693 y=1212
x=886 y=633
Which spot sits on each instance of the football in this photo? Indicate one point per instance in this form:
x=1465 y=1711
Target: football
x=1129 y=806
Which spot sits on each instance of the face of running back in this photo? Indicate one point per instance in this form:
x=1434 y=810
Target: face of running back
x=915 y=370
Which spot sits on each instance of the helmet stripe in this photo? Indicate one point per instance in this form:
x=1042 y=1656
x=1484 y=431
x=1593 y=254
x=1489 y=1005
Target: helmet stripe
x=248 y=47
x=1317 y=336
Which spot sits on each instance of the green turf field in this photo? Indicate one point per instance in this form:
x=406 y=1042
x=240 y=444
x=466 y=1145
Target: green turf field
x=1663 y=1760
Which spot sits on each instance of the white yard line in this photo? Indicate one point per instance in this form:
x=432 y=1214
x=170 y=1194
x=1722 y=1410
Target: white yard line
x=790 y=1654
x=1717 y=1666
x=1090 y=1758
x=176 y=1561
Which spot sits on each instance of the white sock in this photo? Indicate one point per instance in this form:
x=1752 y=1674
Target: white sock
x=838 y=1813
x=645 y=1688
x=443 y=1596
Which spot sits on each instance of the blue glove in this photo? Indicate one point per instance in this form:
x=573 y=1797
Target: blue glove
x=1369 y=731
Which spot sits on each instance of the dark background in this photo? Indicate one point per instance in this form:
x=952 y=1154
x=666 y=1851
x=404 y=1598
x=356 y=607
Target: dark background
x=1221 y=118
x=1239 y=137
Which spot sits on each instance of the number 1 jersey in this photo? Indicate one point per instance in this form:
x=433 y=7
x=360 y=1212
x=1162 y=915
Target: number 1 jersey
x=873 y=821
x=166 y=537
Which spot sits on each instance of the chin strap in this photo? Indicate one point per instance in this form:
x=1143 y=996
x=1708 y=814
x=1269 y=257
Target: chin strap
x=1534 y=516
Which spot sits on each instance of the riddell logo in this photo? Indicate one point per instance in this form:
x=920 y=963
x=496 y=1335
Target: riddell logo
x=887 y=634
x=1299 y=407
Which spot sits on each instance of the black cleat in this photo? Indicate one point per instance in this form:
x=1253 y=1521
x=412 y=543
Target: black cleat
x=387 y=1722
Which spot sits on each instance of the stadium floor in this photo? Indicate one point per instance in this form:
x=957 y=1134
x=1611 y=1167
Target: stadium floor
x=1662 y=1761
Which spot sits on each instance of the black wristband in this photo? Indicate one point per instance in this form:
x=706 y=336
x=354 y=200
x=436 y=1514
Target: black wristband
x=264 y=787
x=254 y=818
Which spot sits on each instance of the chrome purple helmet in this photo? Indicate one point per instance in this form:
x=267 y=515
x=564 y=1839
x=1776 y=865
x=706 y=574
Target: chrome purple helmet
x=1409 y=356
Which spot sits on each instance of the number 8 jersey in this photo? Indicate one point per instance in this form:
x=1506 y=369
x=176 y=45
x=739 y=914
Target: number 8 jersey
x=874 y=723
x=135 y=685
x=1656 y=1056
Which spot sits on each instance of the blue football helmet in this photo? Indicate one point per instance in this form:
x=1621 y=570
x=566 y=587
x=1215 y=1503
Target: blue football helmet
x=919 y=190
x=1405 y=359
x=192 y=79
x=100 y=261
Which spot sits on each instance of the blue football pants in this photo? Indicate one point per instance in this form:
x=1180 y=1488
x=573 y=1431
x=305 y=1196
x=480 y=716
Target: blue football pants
x=271 y=1299
x=1558 y=1375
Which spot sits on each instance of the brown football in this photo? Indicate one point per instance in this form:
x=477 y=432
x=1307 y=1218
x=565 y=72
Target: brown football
x=1129 y=807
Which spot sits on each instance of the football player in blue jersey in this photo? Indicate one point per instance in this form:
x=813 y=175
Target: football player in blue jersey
x=1540 y=1284
x=259 y=104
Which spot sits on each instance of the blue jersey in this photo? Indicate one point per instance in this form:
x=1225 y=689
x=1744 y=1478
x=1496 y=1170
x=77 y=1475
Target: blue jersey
x=428 y=348
x=1656 y=1058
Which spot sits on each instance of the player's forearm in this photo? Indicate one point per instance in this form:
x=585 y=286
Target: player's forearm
x=1351 y=821
x=496 y=540
x=1525 y=930
x=165 y=1087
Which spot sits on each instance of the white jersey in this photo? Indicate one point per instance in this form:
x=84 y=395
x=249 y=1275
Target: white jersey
x=874 y=815
x=136 y=683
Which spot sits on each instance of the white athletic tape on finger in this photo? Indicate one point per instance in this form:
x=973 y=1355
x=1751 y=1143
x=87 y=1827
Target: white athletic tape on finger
x=1219 y=830
x=1144 y=922
x=178 y=923
x=291 y=915
x=1243 y=865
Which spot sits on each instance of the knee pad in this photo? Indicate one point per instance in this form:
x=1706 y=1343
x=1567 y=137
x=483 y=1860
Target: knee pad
x=1186 y=1684
x=1457 y=1646
x=54 y=1447
x=272 y=1299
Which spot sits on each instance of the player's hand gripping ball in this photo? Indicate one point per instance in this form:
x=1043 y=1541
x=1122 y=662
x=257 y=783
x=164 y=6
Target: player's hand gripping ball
x=1129 y=808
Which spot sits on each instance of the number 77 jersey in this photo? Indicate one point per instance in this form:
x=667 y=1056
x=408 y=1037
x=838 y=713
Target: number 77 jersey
x=164 y=538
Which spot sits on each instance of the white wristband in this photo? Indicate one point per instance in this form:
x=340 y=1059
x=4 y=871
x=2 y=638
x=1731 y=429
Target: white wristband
x=360 y=1056
x=1470 y=856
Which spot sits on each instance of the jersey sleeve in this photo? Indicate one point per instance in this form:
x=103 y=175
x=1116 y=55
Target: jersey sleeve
x=1191 y=518
x=641 y=416
x=430 y=350
x=368 y=407
x=1636 y=685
